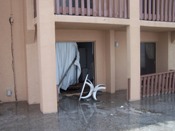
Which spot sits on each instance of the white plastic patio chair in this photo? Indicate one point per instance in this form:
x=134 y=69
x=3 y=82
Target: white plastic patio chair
x=93 y=90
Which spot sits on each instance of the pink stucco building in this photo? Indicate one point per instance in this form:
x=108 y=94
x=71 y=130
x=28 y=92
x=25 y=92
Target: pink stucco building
x=120 y=31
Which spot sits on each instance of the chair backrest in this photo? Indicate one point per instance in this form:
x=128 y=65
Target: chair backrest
x=82 y=90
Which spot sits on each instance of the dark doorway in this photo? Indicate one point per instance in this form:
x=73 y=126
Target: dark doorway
x=148 y=57
x=86 y=50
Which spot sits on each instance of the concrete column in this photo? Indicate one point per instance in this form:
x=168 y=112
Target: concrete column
x=46 y=55
x=133 y=51
x=111 y=62
x=171 y=51
x=133 y=55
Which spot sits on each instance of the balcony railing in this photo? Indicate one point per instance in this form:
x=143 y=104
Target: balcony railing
x=97 y=8
x=158 y=83
x=157 y=10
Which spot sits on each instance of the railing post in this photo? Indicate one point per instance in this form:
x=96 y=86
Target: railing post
x=158 y=10
x=159 y=84
x=170 y=10
x=88 y=7
x=155 y=86
x=125 y=9
x=70 y=7
x=173 y=90
x=173 y=10
x=162 y=10
x=76 y=8
x=57 y=6
x=166 y=10
x=152 y=85
x=149 y=10
x=110 y=8
x=82 y=7
x=105 y=8
x=64 y=7
x=170 y=83
x=120 y=9
x=145 y=10
x=94 y=8
x=115 y=8
x=141 y=9
x=99 y=8
x=154 y=10
x=167 y=82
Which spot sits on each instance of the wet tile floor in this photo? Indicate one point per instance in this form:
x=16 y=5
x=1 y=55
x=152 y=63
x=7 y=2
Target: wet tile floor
x=110 y=113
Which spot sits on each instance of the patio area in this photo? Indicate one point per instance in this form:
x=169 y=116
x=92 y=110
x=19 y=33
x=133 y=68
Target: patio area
x=110 y=113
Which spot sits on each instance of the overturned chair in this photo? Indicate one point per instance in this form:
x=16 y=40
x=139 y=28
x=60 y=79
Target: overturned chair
x=93 y=90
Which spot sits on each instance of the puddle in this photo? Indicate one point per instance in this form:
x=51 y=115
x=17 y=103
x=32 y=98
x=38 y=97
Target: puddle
x=135 y=111
x=151 y=112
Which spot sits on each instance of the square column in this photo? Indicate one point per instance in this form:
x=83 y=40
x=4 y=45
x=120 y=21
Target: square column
x=133 y=60
x=111 y=61
x=46 y=55
x=133 y=50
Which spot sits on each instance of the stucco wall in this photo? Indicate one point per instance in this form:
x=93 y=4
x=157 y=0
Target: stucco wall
x=149 y=37
x=121 y=61
x=162 y=40
x=162 y=52
x=6 y=74
x=121 y=55
x=32 y=74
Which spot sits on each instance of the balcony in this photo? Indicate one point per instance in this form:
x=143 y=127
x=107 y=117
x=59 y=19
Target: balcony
x=157 y=10
x=96 y=8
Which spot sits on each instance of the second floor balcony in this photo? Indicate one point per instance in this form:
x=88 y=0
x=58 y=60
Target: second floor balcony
x=97 y=8
x=150 y=10
x=157 y=10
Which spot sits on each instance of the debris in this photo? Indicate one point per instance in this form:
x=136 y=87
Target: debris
x=121 y=106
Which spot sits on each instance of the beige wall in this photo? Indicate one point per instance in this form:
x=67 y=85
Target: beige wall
x=121 y=55
x=162 y=53
x=102 y=51
x=110 y=61
x=32 y=74
x=163 y=44
x=121 y=61
x=98 y=37
x=6 y=74
x=31 y=54
x=149 y=37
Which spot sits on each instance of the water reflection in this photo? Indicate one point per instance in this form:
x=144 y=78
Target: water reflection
x=110 y=113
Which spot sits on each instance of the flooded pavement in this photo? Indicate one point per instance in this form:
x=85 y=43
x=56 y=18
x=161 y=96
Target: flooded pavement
x=110 y=113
